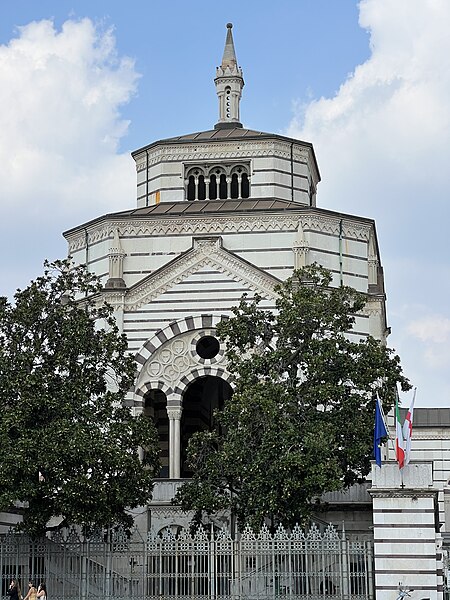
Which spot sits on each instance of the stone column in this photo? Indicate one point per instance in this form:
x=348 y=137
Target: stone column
x=407 y=545
x=174 y=414
x=196 y=187
x=228 y=188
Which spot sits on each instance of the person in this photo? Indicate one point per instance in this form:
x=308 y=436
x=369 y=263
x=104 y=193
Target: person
x=32 y=592
x=42 y=592
x=14 y=590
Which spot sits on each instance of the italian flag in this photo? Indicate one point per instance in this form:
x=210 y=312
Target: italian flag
x=399 y=449
x=407 y=430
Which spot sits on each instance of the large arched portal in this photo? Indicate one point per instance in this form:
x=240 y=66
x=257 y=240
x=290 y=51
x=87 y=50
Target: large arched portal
x=201 y=399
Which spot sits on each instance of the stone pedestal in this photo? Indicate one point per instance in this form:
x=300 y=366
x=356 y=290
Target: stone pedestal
x=407 y=545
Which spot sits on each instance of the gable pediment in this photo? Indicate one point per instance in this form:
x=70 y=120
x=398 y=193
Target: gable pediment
x=205 y=251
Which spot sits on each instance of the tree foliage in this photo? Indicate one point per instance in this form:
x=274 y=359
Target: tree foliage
x=300 y=422
x=68 y=446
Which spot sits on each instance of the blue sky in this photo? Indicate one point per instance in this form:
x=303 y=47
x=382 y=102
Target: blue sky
x=368 y=83
x=288 y=49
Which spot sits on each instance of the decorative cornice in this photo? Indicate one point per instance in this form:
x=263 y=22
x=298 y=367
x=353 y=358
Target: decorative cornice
x=432 y=433
x=373 y=307
x=168 y=512
x=200 y=150
x=216 y=224
x=402 y=493
x=331 y=225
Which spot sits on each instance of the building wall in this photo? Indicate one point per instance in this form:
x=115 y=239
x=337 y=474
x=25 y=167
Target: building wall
x=278 y=169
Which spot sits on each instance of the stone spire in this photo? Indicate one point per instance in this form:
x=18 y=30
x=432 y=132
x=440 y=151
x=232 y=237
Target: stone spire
x=229 y=83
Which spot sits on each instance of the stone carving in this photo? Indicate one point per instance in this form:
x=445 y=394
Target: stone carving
x=175 y=359
x=174 y=413
x=186 y=225
x=170 y=511
x=373 y=308
x=222 y=150
x=116 y=256
x=221 y=223
x=300 y=248
x=207 y=251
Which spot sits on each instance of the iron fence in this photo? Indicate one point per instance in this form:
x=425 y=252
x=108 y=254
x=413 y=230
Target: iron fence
x=297 y=564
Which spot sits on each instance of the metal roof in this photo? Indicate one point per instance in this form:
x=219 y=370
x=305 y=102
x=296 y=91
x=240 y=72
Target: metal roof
x=232 y=133
x=220 y=134
x=213 y=206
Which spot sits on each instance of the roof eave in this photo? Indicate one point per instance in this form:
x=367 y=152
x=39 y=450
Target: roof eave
x=175 y=141
x=132 y=215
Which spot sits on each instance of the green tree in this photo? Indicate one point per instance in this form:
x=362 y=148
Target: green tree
x=300 y=422
x=68 y=445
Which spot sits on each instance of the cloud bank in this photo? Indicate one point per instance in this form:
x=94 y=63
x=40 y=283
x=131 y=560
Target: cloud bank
x=383 y=146
x=61 y=93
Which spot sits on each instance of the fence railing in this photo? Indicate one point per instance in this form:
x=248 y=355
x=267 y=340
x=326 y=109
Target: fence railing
x=297 y=564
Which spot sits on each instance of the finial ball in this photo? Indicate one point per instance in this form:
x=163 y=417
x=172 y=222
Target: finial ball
x=229 y=25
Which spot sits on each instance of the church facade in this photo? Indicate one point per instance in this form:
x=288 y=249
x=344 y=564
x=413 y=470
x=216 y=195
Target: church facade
x=229 y=211
x=219 y=213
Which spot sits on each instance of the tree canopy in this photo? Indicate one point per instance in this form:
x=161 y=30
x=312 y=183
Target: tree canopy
x=300 y=421
x=68 y=445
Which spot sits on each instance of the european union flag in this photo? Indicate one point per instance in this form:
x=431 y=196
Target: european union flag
x=379 y=433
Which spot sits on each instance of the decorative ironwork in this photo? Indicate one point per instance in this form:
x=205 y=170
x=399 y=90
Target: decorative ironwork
x=200 y=565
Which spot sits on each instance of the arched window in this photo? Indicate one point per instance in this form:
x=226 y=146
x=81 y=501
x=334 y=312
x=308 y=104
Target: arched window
x=227 y=102
x=212 y=187
x=245 y=187
x=223 y=192
x=191 y=188
x=234 y=186
x=223 y=180
x=201 y=188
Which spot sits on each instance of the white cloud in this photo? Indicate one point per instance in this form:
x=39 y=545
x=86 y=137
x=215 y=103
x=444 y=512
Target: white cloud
x=435 y=329
x=391 y=119
x=433 y=335
x=59 y=115
x=383 y=146
x=60 y=98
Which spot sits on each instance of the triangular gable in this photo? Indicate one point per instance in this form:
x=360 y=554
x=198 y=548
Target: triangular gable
x=205 y=251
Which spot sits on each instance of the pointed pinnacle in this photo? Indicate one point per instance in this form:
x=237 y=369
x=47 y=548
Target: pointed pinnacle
x=229 y=53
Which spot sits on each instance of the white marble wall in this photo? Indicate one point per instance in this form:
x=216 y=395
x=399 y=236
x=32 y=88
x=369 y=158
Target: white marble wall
x=278 y=168
x=407 y=546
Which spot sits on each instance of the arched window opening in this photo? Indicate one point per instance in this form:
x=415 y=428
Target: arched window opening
x=234 y=186
x=201 y=399
x=201 y=188
x=222 y=181
x=191 y=188
x=155 y=408
x=213 y=187
x=223 y=192
x=245 y=186
x=228 y=102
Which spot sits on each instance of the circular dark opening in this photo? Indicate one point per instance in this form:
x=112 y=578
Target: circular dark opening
x=208 y=347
